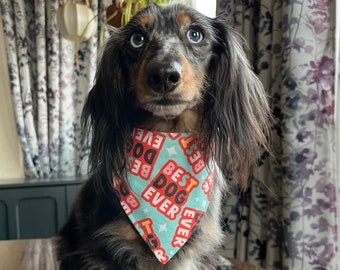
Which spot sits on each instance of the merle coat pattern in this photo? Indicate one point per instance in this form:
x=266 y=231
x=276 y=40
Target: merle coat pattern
x=172 y=70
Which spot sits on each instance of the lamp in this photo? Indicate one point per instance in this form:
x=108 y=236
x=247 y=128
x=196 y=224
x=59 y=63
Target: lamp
x=76 y=21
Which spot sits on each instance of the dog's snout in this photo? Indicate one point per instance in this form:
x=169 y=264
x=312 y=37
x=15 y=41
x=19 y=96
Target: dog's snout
x=164 y=77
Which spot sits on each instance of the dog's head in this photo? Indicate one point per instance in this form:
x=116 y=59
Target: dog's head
x=170 y=51
x=172 y=69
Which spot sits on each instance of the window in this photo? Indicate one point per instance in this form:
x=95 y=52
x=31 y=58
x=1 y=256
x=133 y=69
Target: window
x=208 y=8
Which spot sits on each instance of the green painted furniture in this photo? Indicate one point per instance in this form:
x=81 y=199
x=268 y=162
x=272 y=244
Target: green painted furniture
x=36 y=209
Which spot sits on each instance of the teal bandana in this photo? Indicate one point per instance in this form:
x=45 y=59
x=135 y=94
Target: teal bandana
x=168 y=188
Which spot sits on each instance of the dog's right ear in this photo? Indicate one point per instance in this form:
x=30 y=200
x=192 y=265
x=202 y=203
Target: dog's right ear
x=107 y=111
x=237 y=114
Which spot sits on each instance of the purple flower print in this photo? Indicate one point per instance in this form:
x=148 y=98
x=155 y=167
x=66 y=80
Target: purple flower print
x=327 y=189
x=320 y=4
x=318 y=21
x=322 y=71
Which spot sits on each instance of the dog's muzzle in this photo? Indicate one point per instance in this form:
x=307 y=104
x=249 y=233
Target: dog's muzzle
x=164 y=77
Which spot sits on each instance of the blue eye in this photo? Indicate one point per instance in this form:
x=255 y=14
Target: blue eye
x=195 y=36
x=137 y=40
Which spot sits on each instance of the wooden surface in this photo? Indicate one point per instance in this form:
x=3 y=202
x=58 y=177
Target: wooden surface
x=11 y=254
x=244 y=266
x=38 y=255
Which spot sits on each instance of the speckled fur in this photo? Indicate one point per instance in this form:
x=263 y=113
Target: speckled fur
x=215 y=96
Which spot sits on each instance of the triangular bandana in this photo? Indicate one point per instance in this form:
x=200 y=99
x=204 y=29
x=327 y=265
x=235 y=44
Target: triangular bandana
x=168 y=188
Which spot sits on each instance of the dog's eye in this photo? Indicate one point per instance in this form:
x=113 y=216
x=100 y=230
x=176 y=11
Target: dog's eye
x=195 y=36
x=137 y=40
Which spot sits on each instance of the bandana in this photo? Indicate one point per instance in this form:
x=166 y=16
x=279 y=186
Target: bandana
x=168 y=188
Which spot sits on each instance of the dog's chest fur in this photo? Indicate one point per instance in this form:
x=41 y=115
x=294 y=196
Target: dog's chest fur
x=108 y=241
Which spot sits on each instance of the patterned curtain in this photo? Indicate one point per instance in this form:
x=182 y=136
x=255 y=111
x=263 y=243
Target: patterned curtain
x=48 y=90
x=287 y=219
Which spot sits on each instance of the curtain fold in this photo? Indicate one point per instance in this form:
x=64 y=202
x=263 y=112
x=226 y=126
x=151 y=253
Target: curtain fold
x=48 y=90
x=287 y=219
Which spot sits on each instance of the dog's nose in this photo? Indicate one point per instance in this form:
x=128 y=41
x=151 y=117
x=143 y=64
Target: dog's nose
x=164 y=77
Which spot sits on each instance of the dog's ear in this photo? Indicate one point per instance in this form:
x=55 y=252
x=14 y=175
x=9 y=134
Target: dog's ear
x=107 y=111
x=237 y=106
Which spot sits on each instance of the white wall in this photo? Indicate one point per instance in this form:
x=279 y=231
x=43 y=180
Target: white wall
x=208 y=8
x=11 y=161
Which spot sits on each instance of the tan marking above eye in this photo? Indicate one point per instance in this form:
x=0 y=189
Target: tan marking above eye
x=183 y=19
x=146 y=20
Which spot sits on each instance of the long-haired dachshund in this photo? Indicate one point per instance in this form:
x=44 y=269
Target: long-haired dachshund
x=169 y=73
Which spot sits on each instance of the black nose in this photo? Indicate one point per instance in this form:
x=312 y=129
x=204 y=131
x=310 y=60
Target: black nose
x=164 y=77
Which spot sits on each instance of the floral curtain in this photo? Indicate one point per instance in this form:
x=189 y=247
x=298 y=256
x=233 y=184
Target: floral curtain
x=287 y=219
x=48 y=90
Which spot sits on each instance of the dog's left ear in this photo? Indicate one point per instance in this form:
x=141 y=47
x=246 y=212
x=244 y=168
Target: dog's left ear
x=236 y=108
x=108 y=110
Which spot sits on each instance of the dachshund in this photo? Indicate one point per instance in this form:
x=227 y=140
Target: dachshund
x=170 y=70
